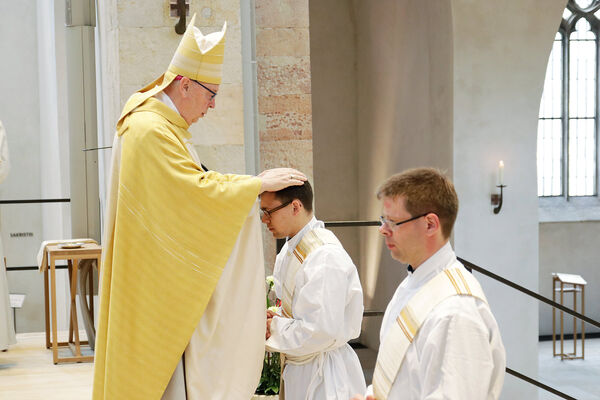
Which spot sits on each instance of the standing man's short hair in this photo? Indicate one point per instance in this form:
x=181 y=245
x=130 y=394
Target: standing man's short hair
x=425 y=190
x=303 y=193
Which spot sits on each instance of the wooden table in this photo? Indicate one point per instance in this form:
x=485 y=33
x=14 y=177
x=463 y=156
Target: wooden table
x=72 y=256
x=568 y=283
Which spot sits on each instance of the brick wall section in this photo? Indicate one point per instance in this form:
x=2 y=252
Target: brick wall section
x=284 y=90
x=284 y=104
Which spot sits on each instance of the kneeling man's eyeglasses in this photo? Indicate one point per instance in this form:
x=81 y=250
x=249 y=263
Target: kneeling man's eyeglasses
x=272 y=210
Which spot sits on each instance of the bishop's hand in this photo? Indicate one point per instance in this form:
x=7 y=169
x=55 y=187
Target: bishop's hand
x=279 y=178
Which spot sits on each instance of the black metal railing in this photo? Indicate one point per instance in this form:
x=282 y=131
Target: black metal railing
x=470 y=266
x=32 y=268
x=483 y=271
x=28 y=201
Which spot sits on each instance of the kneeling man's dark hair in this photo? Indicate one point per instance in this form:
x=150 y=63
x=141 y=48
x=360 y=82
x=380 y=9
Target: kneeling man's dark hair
x=303 y=193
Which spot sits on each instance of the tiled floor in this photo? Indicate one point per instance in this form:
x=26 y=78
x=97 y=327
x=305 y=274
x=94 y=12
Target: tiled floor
x=577 y=378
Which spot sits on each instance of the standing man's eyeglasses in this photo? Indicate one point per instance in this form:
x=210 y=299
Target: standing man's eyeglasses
x=391 y=224
x=268 y=213
x=211 y=92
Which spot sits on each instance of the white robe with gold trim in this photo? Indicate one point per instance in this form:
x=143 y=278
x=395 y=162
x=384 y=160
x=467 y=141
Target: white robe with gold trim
x=457 y=353
x=327 y=308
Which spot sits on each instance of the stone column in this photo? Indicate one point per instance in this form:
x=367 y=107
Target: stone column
x=284 y=90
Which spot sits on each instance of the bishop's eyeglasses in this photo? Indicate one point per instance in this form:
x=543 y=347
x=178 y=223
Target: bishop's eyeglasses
x=213 y=93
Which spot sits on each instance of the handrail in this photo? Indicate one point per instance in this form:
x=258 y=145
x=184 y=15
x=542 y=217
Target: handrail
x=31 y=268
x=333 y=224
x=539 y=384
x=471 y=266
x=528 y=292
x=35 y=201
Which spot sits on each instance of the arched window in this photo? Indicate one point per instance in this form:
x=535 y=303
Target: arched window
x=568 y=120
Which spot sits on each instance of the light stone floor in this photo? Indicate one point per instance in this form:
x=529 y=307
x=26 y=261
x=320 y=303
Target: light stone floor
x=27 y=372
x=577 y=378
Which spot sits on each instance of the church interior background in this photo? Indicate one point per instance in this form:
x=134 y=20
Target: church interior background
x=349 y=92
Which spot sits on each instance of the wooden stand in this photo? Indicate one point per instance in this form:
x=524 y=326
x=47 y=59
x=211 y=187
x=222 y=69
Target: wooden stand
x=568 y=283
x=72 y=256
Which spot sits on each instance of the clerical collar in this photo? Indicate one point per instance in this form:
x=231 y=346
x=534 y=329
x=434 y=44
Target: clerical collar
x=433 y=265
x=162 y=96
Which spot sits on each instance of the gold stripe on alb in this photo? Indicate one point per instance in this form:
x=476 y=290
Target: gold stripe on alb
x=464 y=281
x=404 y=329
x=298 y=256
x=452 y=281
x=409 y=321
x=302 y=248
x=309 y=242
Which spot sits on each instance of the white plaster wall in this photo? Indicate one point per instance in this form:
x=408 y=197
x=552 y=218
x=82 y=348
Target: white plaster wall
x=334 y=116
x=500 y=55
x=29 y=108
x=20 y=113
x=404 y=64
x=54 y=147
x=569 y=247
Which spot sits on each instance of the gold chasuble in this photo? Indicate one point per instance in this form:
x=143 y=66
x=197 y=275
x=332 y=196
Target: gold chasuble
x=170 y=229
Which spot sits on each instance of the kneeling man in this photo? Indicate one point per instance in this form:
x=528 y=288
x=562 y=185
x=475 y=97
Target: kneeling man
x=439 y=339
x=321 y=301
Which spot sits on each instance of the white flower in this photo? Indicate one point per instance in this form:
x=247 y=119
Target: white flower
x=274 y=309
x=270 y=280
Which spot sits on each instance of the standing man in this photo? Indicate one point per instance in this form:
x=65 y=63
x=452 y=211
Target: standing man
x=7 y=331
x=182 y=259
x=322 y=301
x=439 y=339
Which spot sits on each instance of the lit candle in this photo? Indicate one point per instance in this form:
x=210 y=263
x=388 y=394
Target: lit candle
x=501 y=172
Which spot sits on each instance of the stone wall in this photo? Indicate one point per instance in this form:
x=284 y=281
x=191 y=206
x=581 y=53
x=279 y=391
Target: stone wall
x=138 y=40
x=284 y=90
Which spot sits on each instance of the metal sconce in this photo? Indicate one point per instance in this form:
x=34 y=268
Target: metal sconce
x=181 y=9
x=497 y=198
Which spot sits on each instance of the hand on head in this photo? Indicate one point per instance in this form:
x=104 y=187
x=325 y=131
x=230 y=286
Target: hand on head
x=279 y=178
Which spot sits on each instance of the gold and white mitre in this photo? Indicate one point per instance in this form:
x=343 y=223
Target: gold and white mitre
x=198 y=57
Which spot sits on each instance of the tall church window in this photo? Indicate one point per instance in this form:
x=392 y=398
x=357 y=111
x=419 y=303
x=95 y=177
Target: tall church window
x=568 y=121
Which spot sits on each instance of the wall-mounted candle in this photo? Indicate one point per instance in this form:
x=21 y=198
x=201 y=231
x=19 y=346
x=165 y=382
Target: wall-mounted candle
x=501 y=172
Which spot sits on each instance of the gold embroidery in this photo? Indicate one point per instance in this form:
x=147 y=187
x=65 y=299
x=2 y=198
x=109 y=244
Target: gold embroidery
x=409 y=321
x=404 y=329
x=462 y=278
x=452 y=281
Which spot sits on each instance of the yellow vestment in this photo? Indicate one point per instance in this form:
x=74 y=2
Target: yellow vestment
x=170 y=230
